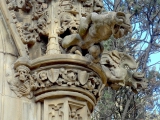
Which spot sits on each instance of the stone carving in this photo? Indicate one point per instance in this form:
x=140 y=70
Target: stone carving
x=83 y=38
x=119 y=68
x=68 y=24
x=90 y=31
x=23 y=84
x=27 y=33
x=68 y=4
x=68 y=77
x=40 y=9
x=12 y=5
x=67 y=27
x=59 y=108
x=26 y=83
x=87 y=7
x=25 y=5
x=42 y=25
x=41 y=15
x=55 y=112
x=98 y=6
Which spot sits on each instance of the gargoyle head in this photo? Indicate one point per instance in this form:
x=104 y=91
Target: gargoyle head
x=121 y=24
x=98 y=5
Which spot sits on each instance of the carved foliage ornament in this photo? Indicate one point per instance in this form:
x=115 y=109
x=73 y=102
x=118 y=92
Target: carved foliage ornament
x=25 y=82
x=76 y=25
x=70 y=27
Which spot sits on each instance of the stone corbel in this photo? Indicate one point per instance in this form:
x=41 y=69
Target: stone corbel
x=23 y=84
x=27 y=80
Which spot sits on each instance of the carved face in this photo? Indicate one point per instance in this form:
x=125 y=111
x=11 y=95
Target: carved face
x=23 y=74
x=68 y=21
x=42 y=22
x=98 y=5
x=72 y=75
x=121 y=26
x=43 y=75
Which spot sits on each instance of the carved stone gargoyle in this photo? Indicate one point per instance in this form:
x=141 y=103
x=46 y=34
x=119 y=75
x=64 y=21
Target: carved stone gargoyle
x=96 y=28
x=120 y=69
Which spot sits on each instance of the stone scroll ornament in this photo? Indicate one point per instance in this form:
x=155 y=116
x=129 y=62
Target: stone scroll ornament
x=43 y=28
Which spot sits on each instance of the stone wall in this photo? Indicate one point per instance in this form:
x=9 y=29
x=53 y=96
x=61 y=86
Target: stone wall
x=11 y=107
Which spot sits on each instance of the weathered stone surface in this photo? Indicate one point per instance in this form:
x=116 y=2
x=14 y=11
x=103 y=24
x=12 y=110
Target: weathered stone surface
x=28 y=110
x=1 y=113
x=7 y=43
x=16 y=109
x=12 y=108
x=1 y=72
x=8 y=74
x=51 y=65
x=66 y=108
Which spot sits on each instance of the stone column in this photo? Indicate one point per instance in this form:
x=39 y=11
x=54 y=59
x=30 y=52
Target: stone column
x=65 y=108
x=53 y=44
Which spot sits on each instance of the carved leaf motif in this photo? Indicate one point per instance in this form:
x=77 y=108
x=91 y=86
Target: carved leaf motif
x=53 y=75
x=83 y=77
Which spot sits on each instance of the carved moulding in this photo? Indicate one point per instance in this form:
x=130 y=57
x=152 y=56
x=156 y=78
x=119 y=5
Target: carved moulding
x=60 y=47
x=57 y=76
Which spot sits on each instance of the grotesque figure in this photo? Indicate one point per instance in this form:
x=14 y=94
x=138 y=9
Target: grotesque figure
x=98 y=5
x=44 y=79
x=40 y=9
x=69 y=24
x=91 y=27
x=120 y=70
x=114 y=64
x=68 y=76
x=27 y=33
x=38 y=80
x=42 y=25
x=24 y=83
x=22 y=73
